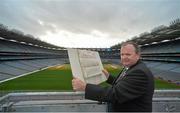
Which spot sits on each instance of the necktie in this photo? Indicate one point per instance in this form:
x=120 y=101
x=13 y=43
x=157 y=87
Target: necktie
x=123 y=73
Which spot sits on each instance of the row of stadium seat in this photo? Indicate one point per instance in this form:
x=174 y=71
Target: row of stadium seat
x=163 y=59
x=17 y=59
x=163 y=47
x=165 y=70
x=11 y=46
x=15 y=68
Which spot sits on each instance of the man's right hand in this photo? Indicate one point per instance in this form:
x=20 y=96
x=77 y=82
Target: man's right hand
x=78 y=85
x=106 y=73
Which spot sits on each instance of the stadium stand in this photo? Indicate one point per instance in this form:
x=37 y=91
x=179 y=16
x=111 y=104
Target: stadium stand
x=166 y=54
x=17 y=58
x=161 y=51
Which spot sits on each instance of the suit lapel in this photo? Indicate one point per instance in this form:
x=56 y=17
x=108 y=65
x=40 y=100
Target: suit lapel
x=121 y=75
x=124 y=74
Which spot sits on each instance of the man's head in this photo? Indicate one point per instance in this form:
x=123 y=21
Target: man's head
x=130 y=53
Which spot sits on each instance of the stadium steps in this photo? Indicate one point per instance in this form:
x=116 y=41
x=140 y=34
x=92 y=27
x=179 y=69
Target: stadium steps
x=165 y=70
x=4 y=76
x=11 y=70
x=28 y=63
x=17 y=65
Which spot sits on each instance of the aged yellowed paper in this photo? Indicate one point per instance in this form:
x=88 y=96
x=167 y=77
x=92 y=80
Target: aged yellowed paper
x=86 y=65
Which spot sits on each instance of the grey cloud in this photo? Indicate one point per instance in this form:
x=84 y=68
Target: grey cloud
x=83 y=16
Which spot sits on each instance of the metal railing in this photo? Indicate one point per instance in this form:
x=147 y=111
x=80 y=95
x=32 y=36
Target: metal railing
x=163 y=101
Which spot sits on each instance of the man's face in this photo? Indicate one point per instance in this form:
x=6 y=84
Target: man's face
x=128 y=55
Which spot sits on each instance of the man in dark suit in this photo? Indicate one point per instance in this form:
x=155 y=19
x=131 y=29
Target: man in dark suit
x=132 y=90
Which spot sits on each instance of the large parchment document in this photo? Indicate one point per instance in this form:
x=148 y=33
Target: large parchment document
x=86 y=65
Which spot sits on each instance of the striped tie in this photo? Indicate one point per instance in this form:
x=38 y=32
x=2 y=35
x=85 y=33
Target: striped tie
x=123 y=73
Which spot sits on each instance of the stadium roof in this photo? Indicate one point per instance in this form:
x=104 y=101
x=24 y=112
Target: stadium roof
x=32 y=41
x=158 y=36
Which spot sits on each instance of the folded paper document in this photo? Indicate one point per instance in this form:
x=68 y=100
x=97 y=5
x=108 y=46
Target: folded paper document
x=86 y=65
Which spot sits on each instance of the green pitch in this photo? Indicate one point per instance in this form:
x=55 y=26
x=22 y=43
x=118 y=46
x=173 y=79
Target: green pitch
x=55 y=78
x=59 y=79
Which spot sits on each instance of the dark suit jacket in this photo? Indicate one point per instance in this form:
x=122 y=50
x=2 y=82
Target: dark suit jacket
x=133 y=92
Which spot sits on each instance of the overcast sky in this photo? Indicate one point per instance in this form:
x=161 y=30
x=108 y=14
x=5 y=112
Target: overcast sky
x=87 y=23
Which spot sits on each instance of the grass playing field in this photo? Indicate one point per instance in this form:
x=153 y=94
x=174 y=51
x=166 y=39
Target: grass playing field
x=59 y=79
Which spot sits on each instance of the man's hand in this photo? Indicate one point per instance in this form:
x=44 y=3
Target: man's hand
x=78 y=85
x=105 y=73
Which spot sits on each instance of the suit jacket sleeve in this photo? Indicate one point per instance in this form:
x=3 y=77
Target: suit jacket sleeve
x=130 y=87
x=110 y=79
